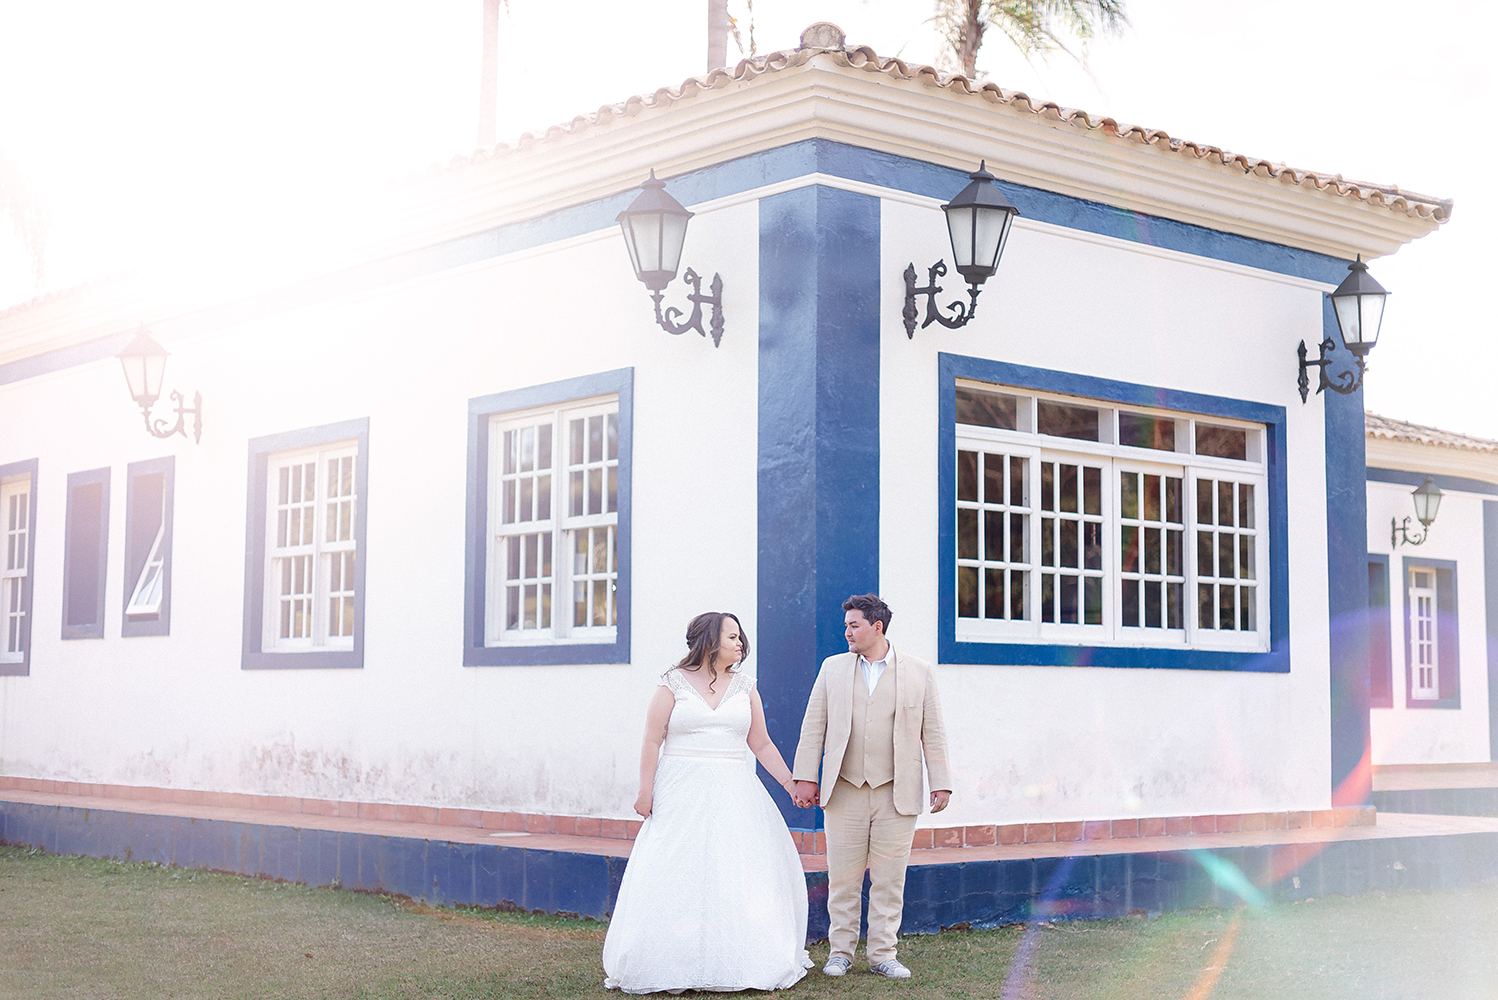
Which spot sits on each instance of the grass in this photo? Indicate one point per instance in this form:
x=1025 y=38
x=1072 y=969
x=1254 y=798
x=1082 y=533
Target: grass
x=84 y=927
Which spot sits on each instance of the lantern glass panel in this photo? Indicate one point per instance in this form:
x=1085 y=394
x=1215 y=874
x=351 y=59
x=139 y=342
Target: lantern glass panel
x=1348 y=320
x=960 y=224
x=992 y=233
x=1427 y=503
x=143 y=375
x=644 y=239
x=673 y=238
x=1372 y=309
x=629 y=244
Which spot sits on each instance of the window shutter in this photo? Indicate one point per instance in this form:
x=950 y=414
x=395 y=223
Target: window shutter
x=1449 y=664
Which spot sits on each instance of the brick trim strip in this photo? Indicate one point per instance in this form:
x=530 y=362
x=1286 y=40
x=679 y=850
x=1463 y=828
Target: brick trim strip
x=807 y=841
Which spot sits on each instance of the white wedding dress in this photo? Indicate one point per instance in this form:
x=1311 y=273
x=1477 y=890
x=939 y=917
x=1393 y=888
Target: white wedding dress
x=713 y=897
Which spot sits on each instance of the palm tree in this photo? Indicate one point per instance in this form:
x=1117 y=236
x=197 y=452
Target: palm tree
x=1035 y=27
x=26 y=212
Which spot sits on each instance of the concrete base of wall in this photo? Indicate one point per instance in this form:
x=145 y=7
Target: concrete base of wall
x=976 y=887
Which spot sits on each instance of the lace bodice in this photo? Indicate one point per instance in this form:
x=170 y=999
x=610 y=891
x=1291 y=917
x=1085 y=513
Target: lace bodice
x=695 y=730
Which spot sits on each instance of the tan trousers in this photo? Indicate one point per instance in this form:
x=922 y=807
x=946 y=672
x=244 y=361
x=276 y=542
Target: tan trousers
x=865 y=832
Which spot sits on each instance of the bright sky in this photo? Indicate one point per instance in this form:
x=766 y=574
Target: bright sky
x=148 y=130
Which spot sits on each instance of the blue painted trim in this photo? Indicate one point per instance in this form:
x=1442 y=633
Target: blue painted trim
x=818 y=442
x=1490 y=606
x=75 y=558
x=1438 y=801
x=63 y=358
x=718 y=181
x=951 y=367
x=438 y=872
x=1380 y=634
x=475 y=560
x=27 y=468
x=1458 y=483
x=138 y=550
x=1448 y=636
x=252 y=657
x=1344 y=437
x=980 y=894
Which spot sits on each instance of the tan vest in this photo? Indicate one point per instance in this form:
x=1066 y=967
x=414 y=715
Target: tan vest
x=871 y=742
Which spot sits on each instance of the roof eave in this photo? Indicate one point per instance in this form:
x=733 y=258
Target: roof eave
x=851 y=96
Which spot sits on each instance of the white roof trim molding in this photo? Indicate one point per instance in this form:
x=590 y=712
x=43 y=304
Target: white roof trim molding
x=852 y=95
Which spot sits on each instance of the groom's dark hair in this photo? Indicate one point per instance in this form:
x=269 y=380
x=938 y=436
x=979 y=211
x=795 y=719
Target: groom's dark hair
x=872 y=609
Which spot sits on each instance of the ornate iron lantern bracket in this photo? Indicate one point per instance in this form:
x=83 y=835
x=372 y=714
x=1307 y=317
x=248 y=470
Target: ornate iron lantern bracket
x=156 y=426
x=670 y=318
x=1346 y=383
x=960 y=314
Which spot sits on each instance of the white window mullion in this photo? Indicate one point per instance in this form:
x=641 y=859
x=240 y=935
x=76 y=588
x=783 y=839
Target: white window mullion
x=1424 y=637
x=568 y=455
x=145 y=599
x=312 y=513
x=1171 y=457
x=15 y=520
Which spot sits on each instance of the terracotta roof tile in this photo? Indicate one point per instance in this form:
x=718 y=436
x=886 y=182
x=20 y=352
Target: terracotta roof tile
x=864 y=58
x=1390 y=429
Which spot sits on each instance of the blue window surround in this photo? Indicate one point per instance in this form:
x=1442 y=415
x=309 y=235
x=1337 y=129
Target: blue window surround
x=1380 y=634
x=950 y=650
x=1490 y=596
x=138 y=548
x=87 y=604
x=261 y=448
x=480 y=410
x=26 y=468
x=1448 y=636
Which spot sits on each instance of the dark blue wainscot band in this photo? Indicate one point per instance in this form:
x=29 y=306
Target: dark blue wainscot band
x=973 y=894
x=439 y=872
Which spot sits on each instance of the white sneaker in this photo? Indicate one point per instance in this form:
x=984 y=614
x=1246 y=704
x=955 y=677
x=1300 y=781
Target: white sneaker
x=837 y=965
x=892 y=969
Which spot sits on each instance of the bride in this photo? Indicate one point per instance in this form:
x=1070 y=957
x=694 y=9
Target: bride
x=713 y=897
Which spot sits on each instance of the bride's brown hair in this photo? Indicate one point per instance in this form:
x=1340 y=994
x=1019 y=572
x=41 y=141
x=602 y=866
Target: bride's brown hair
x=704 y=633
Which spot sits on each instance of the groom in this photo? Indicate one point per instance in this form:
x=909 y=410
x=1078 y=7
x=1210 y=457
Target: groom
x=871 y=714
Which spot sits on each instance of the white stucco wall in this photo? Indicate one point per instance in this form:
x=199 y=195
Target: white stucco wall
x=1064 y=743
x=413 y=725
x=1405 y=735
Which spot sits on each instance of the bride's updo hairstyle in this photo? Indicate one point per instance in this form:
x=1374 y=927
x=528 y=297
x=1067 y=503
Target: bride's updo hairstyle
x=704 y=633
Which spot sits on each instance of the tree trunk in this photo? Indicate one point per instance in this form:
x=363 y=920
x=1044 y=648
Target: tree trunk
x=971 y=38
x=717 y=34
x=489 y=75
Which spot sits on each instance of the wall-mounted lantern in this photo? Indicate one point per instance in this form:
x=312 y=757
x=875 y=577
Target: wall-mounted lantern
x=144 y=362
x=978 y=222
x=1359 y=305
x=1427 y=497
x=655 y=229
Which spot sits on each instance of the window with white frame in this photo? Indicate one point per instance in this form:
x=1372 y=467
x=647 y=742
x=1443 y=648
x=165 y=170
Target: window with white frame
x=1084 y=521
x=15 y=518
x=310 y=549
x=148 y=547
x=1424 y=638
x=553 y=524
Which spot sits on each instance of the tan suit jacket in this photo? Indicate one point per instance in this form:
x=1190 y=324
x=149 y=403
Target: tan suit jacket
x=918 y=729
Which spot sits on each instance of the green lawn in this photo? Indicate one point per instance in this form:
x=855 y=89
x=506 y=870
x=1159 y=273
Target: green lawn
x=81 y=927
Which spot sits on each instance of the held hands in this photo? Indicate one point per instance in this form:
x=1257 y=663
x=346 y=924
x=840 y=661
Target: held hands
x=805 y=794
x=939 y=800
